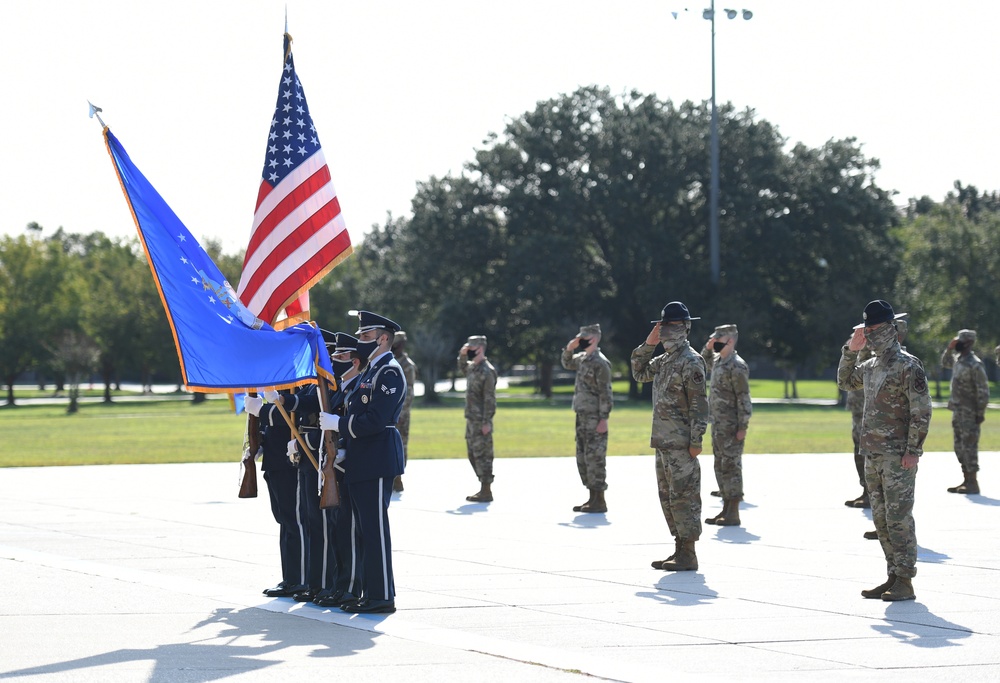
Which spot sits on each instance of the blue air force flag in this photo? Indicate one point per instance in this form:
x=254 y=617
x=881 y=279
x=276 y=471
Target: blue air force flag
x=221 y=345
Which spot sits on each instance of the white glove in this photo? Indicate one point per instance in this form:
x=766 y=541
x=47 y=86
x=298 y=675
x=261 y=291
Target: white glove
x=329 y=422
x=341 y=454
x=271 y=396
x=253 y=404
x=293 y=454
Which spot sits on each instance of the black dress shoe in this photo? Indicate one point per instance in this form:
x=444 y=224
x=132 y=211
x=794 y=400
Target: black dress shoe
x=334 y=599
x=305 y=596
x=367 y=606
x=285 y=591
x=280 y=587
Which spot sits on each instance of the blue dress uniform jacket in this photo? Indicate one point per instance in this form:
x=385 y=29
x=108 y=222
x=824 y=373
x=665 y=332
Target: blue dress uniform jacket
x=368 y=428
x=374 y=458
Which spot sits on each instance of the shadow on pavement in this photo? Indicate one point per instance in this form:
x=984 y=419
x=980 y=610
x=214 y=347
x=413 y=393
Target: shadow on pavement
x=219 y=653
x=912 y=623
x=684 y=589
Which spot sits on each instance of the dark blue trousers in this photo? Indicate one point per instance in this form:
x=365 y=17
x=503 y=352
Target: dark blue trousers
x=370 y=501
x=286 y=506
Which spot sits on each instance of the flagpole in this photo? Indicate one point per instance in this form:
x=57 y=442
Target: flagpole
x=297 y=435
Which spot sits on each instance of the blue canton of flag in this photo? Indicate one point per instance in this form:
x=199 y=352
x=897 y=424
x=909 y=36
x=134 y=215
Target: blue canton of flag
x=220 y=344
x=293 y=135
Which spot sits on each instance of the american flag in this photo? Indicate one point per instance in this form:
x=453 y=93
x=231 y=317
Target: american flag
x=298 y=231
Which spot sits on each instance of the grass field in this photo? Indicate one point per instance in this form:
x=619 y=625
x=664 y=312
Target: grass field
x=180 y=431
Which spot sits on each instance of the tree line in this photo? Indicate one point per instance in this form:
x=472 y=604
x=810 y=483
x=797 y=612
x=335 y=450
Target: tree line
x=592 y=207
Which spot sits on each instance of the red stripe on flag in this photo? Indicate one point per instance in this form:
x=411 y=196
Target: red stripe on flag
x=286 y=247
x=306 y=189
x=309 y=273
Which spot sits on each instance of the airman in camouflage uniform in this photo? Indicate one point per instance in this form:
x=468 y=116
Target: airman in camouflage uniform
x=896 y=417
x=410 y=373
x=680 y=416
x=480 y=406
x=856 y=403
x=970 y=392
x=592 y=404
x=729 y=410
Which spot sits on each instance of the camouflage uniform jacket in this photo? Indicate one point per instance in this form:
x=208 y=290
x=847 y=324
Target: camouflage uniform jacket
x=481 y=390
x=729 y=390
x=897 y=410
x=410 y=373
x=592 y=391
x=970 y=390
x=680 y=409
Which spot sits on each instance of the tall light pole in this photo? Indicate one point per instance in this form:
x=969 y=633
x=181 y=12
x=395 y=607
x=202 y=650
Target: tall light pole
x=713 y=188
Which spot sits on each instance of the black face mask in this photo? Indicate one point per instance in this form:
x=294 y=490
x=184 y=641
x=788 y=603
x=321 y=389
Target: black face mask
x=718 y=346
x=471 y=354
x=584 y=343
x=341 y=366
x=366 y=348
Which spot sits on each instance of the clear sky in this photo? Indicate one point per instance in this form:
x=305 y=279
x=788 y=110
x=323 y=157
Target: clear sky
x=400 y=91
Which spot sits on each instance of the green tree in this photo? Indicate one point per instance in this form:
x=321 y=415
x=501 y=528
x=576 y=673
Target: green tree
x=950 y=264
x=32 y=271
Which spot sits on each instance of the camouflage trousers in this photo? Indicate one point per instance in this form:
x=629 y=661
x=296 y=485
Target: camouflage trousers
x=403 y=425
x=480 y=448
x=891 y=489
x=591 y=452
x=678 y=478
x=966 y=430
x=859 y=460
x=728 y=462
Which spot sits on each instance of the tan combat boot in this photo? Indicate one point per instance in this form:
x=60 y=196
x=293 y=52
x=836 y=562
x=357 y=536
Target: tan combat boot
x=971 y=484
x=590 y=501
x=658 y=564
x=596 y=503
x=722 y=513
x=902 y=589
x=861 y=501
x=685 y=560
x=730 y=513
x=877 y=591
x=485 y=494
x=961 y=487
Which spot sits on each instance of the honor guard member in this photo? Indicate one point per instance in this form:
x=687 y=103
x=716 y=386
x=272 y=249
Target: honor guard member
x=592 y=403
x=897 y=415
x=480 y=407
x=729 y=410
x=970 y=392
x=680 y=417
x=282 y=479
x=374 y=457
x=410 y=373
x=347 y=364
x=320 y=550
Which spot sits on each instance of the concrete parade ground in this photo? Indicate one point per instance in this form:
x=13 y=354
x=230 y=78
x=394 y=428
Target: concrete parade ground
x=154 y=573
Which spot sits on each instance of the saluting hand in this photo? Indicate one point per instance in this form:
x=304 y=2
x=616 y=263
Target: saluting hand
x=653 y=338
x=857 y=340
